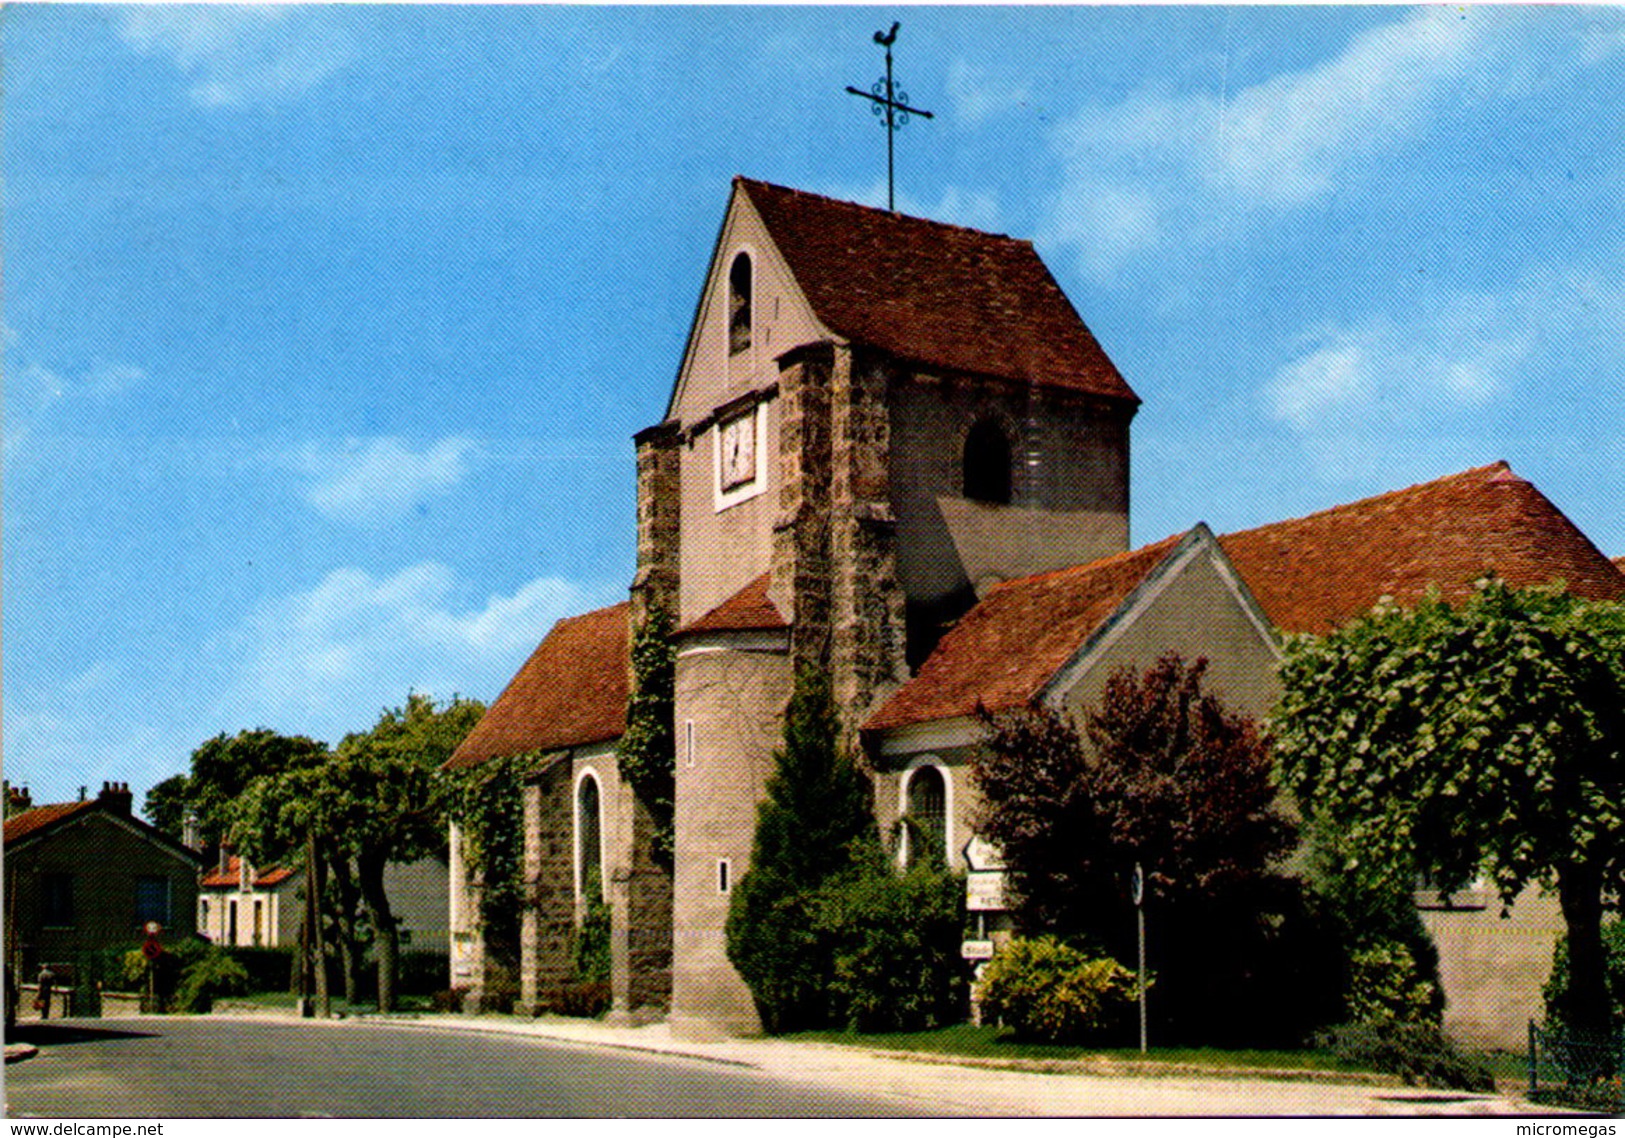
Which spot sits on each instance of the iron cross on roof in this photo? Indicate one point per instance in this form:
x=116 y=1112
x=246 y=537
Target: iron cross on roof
x=891 y=104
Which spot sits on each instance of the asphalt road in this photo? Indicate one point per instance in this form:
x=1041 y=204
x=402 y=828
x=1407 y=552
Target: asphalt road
x=189 y=1068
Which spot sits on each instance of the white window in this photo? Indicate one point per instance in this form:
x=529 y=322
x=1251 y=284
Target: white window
x=924 y=810
x=589 y=839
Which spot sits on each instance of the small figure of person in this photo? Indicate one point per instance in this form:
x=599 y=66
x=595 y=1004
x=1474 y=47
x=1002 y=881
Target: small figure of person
x=47 y=980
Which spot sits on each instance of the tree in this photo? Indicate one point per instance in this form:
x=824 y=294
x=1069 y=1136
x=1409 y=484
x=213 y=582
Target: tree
x=1166 y=778
x=388 y=805
x=1482 y=737
x=221 y=769
x=165 y=805
x=810 y=829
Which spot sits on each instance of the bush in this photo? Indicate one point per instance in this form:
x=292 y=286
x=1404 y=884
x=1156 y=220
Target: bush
x=895 y=947
x=211 y=975
x=586 y=998
x=448 y=999
x=1419 y=1053
x=422 y=972
x=1385 y=985
x=1556 y=990
x=1049 y=991
x=269 y=969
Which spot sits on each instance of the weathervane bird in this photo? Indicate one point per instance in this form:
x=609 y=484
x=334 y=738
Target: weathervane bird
x=891 y=105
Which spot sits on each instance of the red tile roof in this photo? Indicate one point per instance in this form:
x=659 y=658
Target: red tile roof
x=19 y=826
x=1002 y=653
x=748 y=610
x=1309 y=574
x=571 y=692
x=936 y=294
x=263 y=878
x=1315 y=573
x=1619 y=563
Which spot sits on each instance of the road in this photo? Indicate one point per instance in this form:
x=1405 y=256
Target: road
x=183 y=1068
x=229 y=1067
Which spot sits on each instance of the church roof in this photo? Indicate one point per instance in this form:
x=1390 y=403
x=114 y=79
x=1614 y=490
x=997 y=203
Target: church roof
x=571 y=692
x=1002 y=653
x=1315 y=573
x=1309 y=574
x=939 y=295
x=748 y=610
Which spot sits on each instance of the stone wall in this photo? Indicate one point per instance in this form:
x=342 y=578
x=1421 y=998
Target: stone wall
x=549 y=919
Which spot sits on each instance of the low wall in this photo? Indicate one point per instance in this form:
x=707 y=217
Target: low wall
x=61 y=1003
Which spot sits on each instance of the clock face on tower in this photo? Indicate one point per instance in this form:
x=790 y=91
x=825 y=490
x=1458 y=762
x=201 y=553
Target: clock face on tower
x=738 y=440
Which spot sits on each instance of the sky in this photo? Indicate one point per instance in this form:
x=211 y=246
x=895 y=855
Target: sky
x=326 y=329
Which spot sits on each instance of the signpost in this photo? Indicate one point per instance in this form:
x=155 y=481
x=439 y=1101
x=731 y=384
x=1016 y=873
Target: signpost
x=1138 y=891
x=152 y=949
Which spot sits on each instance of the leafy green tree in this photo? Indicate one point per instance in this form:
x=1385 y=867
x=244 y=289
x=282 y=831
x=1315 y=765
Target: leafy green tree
x=388 y=805
x=810 y=829
x=221 y=769
x=1165 y=777
x=1488 y=736
x=165 y=805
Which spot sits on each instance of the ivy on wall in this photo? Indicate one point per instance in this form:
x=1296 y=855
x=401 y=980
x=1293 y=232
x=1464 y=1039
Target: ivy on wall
x=647 y=752
x=488 y=804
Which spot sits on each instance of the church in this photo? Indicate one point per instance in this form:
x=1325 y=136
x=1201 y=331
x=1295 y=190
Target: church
x=895 y=451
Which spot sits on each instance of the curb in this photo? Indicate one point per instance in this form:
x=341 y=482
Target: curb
x=524 y=1031
x=16 y=1052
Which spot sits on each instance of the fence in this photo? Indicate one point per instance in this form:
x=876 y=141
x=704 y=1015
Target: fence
x=1566 y=1069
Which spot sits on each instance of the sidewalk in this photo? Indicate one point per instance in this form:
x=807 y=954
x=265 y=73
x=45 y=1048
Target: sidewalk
x=946 y=1085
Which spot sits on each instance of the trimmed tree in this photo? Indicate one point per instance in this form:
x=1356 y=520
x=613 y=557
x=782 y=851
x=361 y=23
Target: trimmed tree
x=1164 y=776
x=811 y=828
x=1482 y=737
x=389 y=806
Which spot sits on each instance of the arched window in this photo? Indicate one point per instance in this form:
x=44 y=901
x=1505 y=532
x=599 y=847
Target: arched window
x=927 y=814
x=739 y=290
x=589 y=841
x=987 y=463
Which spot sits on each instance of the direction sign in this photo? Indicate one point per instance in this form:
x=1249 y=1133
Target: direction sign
x=981 y=854
x=985 y=891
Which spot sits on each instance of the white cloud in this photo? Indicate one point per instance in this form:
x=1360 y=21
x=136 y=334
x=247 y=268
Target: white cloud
x=35 y=394
x=326 y=660
x=1358 y=395
x=1159 y=169
x=371 y=482
x=262 y=54
x=978 y=97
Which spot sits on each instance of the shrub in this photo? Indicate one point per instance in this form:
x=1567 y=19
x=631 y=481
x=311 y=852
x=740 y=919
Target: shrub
x=422 y=972
x=448 y=999
x=211 y=975
x=895 y=947
x=586 y=998
x=269 y=969
x=1385 y=985
x=1556 y=990
x=1049 y=991
x=1419 y=1053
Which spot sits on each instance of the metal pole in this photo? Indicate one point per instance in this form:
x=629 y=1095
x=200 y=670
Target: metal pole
x=1141 y=914
x=891 y=196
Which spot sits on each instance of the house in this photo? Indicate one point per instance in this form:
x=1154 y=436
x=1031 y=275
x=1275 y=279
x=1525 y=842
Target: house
x=245 y=905
x=86 y=876
x=240 y=904
x=894 y=451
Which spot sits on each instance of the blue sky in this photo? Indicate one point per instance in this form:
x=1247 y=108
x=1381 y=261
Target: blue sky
x=326 y=328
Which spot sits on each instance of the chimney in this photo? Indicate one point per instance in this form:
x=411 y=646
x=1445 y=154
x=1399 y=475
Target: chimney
x=116 y=797
x=17 y=800
x=190 y=836
x=225 y=857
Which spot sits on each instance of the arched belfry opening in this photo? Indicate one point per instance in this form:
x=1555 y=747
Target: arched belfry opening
x=739 y=306
x=987 y=464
